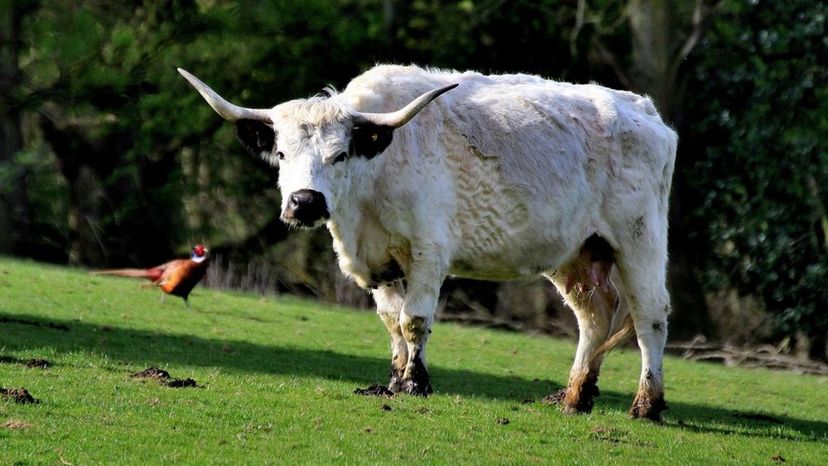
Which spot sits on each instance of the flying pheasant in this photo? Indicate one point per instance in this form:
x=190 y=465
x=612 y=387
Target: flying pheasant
x=177 y=277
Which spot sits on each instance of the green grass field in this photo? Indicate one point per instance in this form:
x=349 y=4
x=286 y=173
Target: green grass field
x=276 y=377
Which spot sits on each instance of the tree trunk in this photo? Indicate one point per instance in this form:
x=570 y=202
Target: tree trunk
x=820 y=211
x=13 y=206
x=652 y=50
x=394 y=15
x=653 y=73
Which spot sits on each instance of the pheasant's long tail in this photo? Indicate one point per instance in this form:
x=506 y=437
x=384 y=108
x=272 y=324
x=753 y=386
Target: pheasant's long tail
x=136 y=273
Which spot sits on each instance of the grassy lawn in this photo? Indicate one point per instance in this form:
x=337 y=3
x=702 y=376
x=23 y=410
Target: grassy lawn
x=275 y=379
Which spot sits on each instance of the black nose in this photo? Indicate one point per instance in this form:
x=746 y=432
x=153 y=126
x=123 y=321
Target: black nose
x=306 y=207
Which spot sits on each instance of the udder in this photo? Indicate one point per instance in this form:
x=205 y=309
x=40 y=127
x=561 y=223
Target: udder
x=592 y=267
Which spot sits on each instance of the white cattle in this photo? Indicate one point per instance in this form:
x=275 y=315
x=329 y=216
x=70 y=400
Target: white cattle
x=506 y=176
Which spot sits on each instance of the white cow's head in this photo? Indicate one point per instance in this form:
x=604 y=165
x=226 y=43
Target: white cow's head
x=316 y=142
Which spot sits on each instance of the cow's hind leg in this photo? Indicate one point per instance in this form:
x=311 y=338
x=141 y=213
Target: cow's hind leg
x=389 y=299
x=643 y=273
x=595 y=308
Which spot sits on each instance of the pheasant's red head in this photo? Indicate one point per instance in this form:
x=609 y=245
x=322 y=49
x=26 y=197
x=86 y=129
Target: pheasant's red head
x=199 y=250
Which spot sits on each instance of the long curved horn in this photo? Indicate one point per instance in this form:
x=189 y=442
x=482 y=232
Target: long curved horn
x=224 y=108
x=402 y=116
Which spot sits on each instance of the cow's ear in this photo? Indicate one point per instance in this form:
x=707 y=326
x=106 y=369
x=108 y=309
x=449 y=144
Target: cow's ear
x=256 y=136
x=369 y=140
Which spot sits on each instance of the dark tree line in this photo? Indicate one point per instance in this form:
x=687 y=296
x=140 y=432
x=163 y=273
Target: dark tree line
x=107 y=158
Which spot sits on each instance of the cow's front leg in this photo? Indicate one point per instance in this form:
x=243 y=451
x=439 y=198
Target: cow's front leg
x=416 y=318
x=415 y=330
x=389 y=298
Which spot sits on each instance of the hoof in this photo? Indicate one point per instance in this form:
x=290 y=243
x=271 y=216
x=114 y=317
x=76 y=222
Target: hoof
x=417 y=382
x=395 y=381
x=574 y=401
x=417 y=388
x=647 y=408
x=396 y=385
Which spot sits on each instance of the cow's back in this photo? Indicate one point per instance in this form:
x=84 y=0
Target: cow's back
x=536 y=127
x=533 y=161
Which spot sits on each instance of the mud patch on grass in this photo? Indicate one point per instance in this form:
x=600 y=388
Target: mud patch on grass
x=503 y=421
x=18 y=395
x=617 y=436
x=180 y=383
x=38 y=362
x=374 y=390
x=605 y=434
x=163 y=377
x=15 y=425
x=151 y=373
x=554 y=398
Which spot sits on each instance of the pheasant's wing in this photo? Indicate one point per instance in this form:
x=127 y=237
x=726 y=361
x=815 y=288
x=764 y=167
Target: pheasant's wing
x=180 y=278
x=171 y=273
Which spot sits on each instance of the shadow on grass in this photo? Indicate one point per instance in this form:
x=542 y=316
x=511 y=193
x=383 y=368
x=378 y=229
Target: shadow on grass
x=145 y=348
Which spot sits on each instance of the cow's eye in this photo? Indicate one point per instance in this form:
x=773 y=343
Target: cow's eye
x=341 y=157
x=281 y=155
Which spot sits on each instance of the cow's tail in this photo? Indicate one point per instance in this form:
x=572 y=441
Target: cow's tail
x=627 y=329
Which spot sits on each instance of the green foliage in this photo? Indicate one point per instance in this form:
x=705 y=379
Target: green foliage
x=276 y=377
x=760 y=107
x=123 y=119
x=47 y=197
x=140 y=168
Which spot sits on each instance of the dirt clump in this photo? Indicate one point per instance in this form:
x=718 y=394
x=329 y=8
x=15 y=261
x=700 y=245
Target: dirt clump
x=151 y=373
x=163 y=377
x=179 y=383
x=554 y=398
x=375 y=390
x=35 y=362
x=15 y=425
x=38 y=362
x=18 y=395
